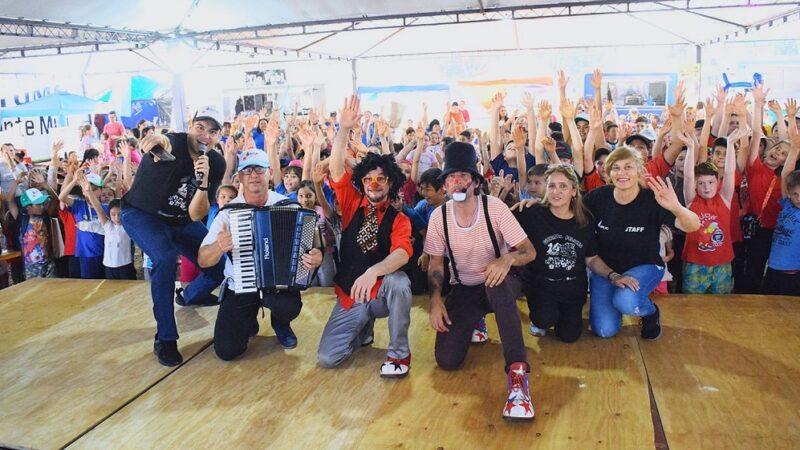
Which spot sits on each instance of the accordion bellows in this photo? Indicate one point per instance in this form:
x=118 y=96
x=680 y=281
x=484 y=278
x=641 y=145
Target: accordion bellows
x=268 y=244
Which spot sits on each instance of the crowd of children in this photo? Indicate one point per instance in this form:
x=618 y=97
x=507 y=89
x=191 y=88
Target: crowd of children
x=726 y=162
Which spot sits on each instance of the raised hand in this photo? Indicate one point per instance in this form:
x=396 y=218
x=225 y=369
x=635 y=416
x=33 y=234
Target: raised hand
x=497 y=100
x=549 y=144
x=319 y=172
x=597 y=79
x=759 y=94
x=710 y=108
x=676 y=109
x=775 y=107
x=791 y=108
x=271 y=135
x=563 y=80
x=527 y=101
x=57 y=146
x=519 y=136
x=545 y=110
x=595 y=118
x=306 y=136
x=721 y=95
x=350 y=114
x=664 y=193
x=567 y=110
x=667 y=127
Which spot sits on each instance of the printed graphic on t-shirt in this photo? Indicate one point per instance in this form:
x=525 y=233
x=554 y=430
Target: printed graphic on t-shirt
x=561 y=252
x=712 y=235
x=787 y=221
x=35 y=242
x=182 y=197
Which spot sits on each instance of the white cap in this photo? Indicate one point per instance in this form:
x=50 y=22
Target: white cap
x=210 y=112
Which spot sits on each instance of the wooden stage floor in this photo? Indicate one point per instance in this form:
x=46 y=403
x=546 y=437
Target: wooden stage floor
x=78 y=371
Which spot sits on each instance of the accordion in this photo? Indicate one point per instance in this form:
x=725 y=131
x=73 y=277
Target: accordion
x=268 y=243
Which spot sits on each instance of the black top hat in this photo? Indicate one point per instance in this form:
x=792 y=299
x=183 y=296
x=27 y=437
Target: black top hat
x=460 y=157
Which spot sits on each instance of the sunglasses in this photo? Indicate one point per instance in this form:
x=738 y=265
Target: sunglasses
x=380 y=179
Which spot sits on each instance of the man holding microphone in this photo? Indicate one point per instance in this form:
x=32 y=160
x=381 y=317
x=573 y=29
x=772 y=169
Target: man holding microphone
x=171 y=193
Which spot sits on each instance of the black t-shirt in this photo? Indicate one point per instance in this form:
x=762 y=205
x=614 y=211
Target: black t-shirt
x=166 y=188
x=627 y=235
x=562 y=246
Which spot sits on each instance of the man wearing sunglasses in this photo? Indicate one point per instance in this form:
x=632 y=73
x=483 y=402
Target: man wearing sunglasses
x=162 y=214
x=375 y=245
x=237 y=319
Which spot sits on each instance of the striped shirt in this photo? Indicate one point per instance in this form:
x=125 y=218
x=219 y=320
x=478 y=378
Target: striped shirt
x=472 y=246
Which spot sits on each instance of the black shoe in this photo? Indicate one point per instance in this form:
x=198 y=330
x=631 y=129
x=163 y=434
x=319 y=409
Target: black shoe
x=167 y=352
x=206 y=300
x=285 y=336
x=651 y=325
x=179 y=297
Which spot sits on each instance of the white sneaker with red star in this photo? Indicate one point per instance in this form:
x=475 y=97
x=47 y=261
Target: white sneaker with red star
x=518 y=405
x=395 y=368
x=480 y=334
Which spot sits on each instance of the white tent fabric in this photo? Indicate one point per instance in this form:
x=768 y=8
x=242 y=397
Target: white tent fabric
x=568 y=23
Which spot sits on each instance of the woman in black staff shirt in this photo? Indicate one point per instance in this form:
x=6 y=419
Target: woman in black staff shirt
x=562 y=231
x=629 y=220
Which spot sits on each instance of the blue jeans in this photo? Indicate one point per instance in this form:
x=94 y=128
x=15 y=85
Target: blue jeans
x=91 y=267
x=163 y=243
x=608 y=303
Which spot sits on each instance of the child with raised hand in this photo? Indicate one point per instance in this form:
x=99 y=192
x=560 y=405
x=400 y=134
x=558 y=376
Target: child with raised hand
x=34 y=225
x=708 y=252
x=89 y=242
x=783 y=269
x=118 y=249
x=310 y=195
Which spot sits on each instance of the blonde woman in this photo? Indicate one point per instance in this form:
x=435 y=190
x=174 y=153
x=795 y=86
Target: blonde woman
x=629 y=219
x=562 y=232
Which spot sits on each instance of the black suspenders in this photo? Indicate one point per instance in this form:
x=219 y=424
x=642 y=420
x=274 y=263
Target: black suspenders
x=489 y=227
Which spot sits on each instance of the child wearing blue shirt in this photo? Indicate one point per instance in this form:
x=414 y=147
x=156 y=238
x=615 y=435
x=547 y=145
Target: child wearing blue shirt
x=783 y=266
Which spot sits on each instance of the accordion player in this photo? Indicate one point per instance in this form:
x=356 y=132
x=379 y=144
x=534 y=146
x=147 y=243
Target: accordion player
x=268 y=245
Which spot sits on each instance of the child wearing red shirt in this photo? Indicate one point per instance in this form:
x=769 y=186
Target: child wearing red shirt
x=708 y=252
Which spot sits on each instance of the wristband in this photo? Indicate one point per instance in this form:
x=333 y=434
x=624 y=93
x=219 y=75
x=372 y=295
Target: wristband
x=610 y=275
x=201 y=188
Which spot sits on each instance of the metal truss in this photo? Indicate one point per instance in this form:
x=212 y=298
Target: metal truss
x=44 y=29
x=490 y=14
x=88 y=39
x=792 y=15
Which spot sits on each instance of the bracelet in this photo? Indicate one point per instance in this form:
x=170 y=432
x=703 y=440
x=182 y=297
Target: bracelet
x=610 y=275
x=201 y=188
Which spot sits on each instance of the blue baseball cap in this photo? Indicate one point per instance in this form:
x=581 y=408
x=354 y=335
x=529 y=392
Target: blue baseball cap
x=250 y=158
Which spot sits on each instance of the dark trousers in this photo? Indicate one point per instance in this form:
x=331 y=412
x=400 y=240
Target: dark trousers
x=126 y=272
x=237 y=319
x=465 y=306
x=163 y=243
x=91 y=267
x=778 y=282
x=737 y=265
x=675 y=265
x=757 y=253
x=558 y=304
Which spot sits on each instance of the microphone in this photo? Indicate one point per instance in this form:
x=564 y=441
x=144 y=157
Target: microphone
x=198 y=176
x=460 y=195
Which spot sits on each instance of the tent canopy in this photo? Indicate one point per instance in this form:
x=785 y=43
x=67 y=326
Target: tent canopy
x=378 y=28
x=58 y=104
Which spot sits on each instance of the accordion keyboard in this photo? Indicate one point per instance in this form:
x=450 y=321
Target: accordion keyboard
x=244 y=266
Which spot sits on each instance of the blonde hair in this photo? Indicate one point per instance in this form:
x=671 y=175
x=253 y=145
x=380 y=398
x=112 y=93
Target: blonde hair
x=580 y=211
x=622 y=153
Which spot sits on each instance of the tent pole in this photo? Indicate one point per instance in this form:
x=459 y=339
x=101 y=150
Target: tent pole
x=355 y=77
